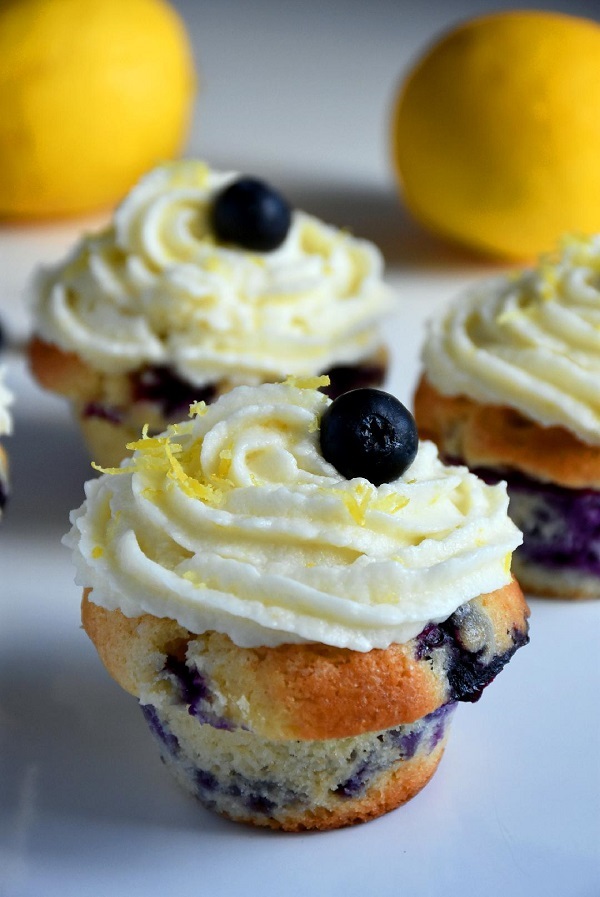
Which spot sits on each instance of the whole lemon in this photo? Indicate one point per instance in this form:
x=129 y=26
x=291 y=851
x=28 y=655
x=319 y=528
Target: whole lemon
x=92 y=94
x=496 y=132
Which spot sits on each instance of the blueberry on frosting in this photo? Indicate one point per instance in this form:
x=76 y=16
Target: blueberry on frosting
x=251 y=214
x=369 y=433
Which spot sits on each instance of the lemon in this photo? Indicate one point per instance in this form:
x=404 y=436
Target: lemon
x=92 y=94
x=496 y=133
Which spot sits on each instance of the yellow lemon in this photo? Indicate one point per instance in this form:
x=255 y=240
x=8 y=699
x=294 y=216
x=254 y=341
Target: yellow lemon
x=496 y=133
x=92 y=94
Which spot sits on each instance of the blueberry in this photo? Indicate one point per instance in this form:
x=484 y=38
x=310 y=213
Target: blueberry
x=369 y=433
x=251 y=214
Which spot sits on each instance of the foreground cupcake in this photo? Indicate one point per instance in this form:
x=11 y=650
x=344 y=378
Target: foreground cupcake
x=511 y=388
x=203 y=281
x=298 y=640
x=5 y=428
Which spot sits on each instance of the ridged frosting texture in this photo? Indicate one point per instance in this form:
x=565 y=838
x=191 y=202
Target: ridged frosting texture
x=233 y=521
x=156 y=288
x=529 y=341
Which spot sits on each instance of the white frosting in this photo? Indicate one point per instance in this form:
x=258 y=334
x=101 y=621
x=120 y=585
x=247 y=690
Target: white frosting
x=234 y=522
x=531 y=342
x=155 y=288
x=6 y=400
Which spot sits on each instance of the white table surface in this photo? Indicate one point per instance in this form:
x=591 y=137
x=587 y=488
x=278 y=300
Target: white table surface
x=299 y=95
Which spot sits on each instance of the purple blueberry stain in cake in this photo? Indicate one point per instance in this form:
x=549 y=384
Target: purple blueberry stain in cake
x=432 y=637
x=407 y=742
x=159 y=729
x=194 y=691
x=360 y=778
x=205 y=781
x=464 y=655
x=256 y=796
x=192 y=685
x=560 y=526
x=397 y=745
x=109 y=413
x=164 y=388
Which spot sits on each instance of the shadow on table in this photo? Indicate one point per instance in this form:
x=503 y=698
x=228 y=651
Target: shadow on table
x=48 y=467
x=75 y=745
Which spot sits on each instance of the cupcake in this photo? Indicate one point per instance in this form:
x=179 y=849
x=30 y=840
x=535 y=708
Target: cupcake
x=203 y=281
x=5 y=428
x=298 y=640
x=510 y=388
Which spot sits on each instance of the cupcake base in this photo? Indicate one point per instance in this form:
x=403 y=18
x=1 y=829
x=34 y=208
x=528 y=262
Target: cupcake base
x=553 y=482
x=296 y=785
x=304 y=736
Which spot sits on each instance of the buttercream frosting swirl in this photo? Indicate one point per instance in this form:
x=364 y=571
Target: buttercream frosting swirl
x=157 y=288
x=530 y=341
x=233 y=521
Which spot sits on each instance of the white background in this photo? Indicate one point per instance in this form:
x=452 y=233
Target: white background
x=299 y=94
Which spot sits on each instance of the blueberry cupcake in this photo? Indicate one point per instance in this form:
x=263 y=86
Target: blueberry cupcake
x=298 y=598
x=510 y=387
x=203 y=281
x=5 y=428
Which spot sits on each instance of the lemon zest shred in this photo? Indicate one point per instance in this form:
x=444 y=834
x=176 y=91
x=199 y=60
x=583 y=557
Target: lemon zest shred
x=198 y=409
x=391 y=503
x=192 y=576
x=307 y=382
x=357 y=500
x=111 y=470
x=225 y=457
x=97 y=552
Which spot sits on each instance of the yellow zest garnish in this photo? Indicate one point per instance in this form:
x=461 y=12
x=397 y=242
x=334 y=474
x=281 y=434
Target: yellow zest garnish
x=307 y=382
x=97 y=552
x=190 y=485
x=314 y=424
x=390 y=504
x=225 y=457
x=160 y=455
x=112 y=470
x=198 y=409
x=507 y=562
x=357 y=500
x=192 y=576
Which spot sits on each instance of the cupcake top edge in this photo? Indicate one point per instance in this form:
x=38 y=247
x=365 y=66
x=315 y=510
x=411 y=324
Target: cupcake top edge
x=529 y=340
x=234 y=521
x=164 y=284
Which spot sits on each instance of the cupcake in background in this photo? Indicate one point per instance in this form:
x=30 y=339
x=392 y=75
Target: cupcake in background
x=298 y=597
x=511 y=387
x=5 y=428
x=203 y=281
